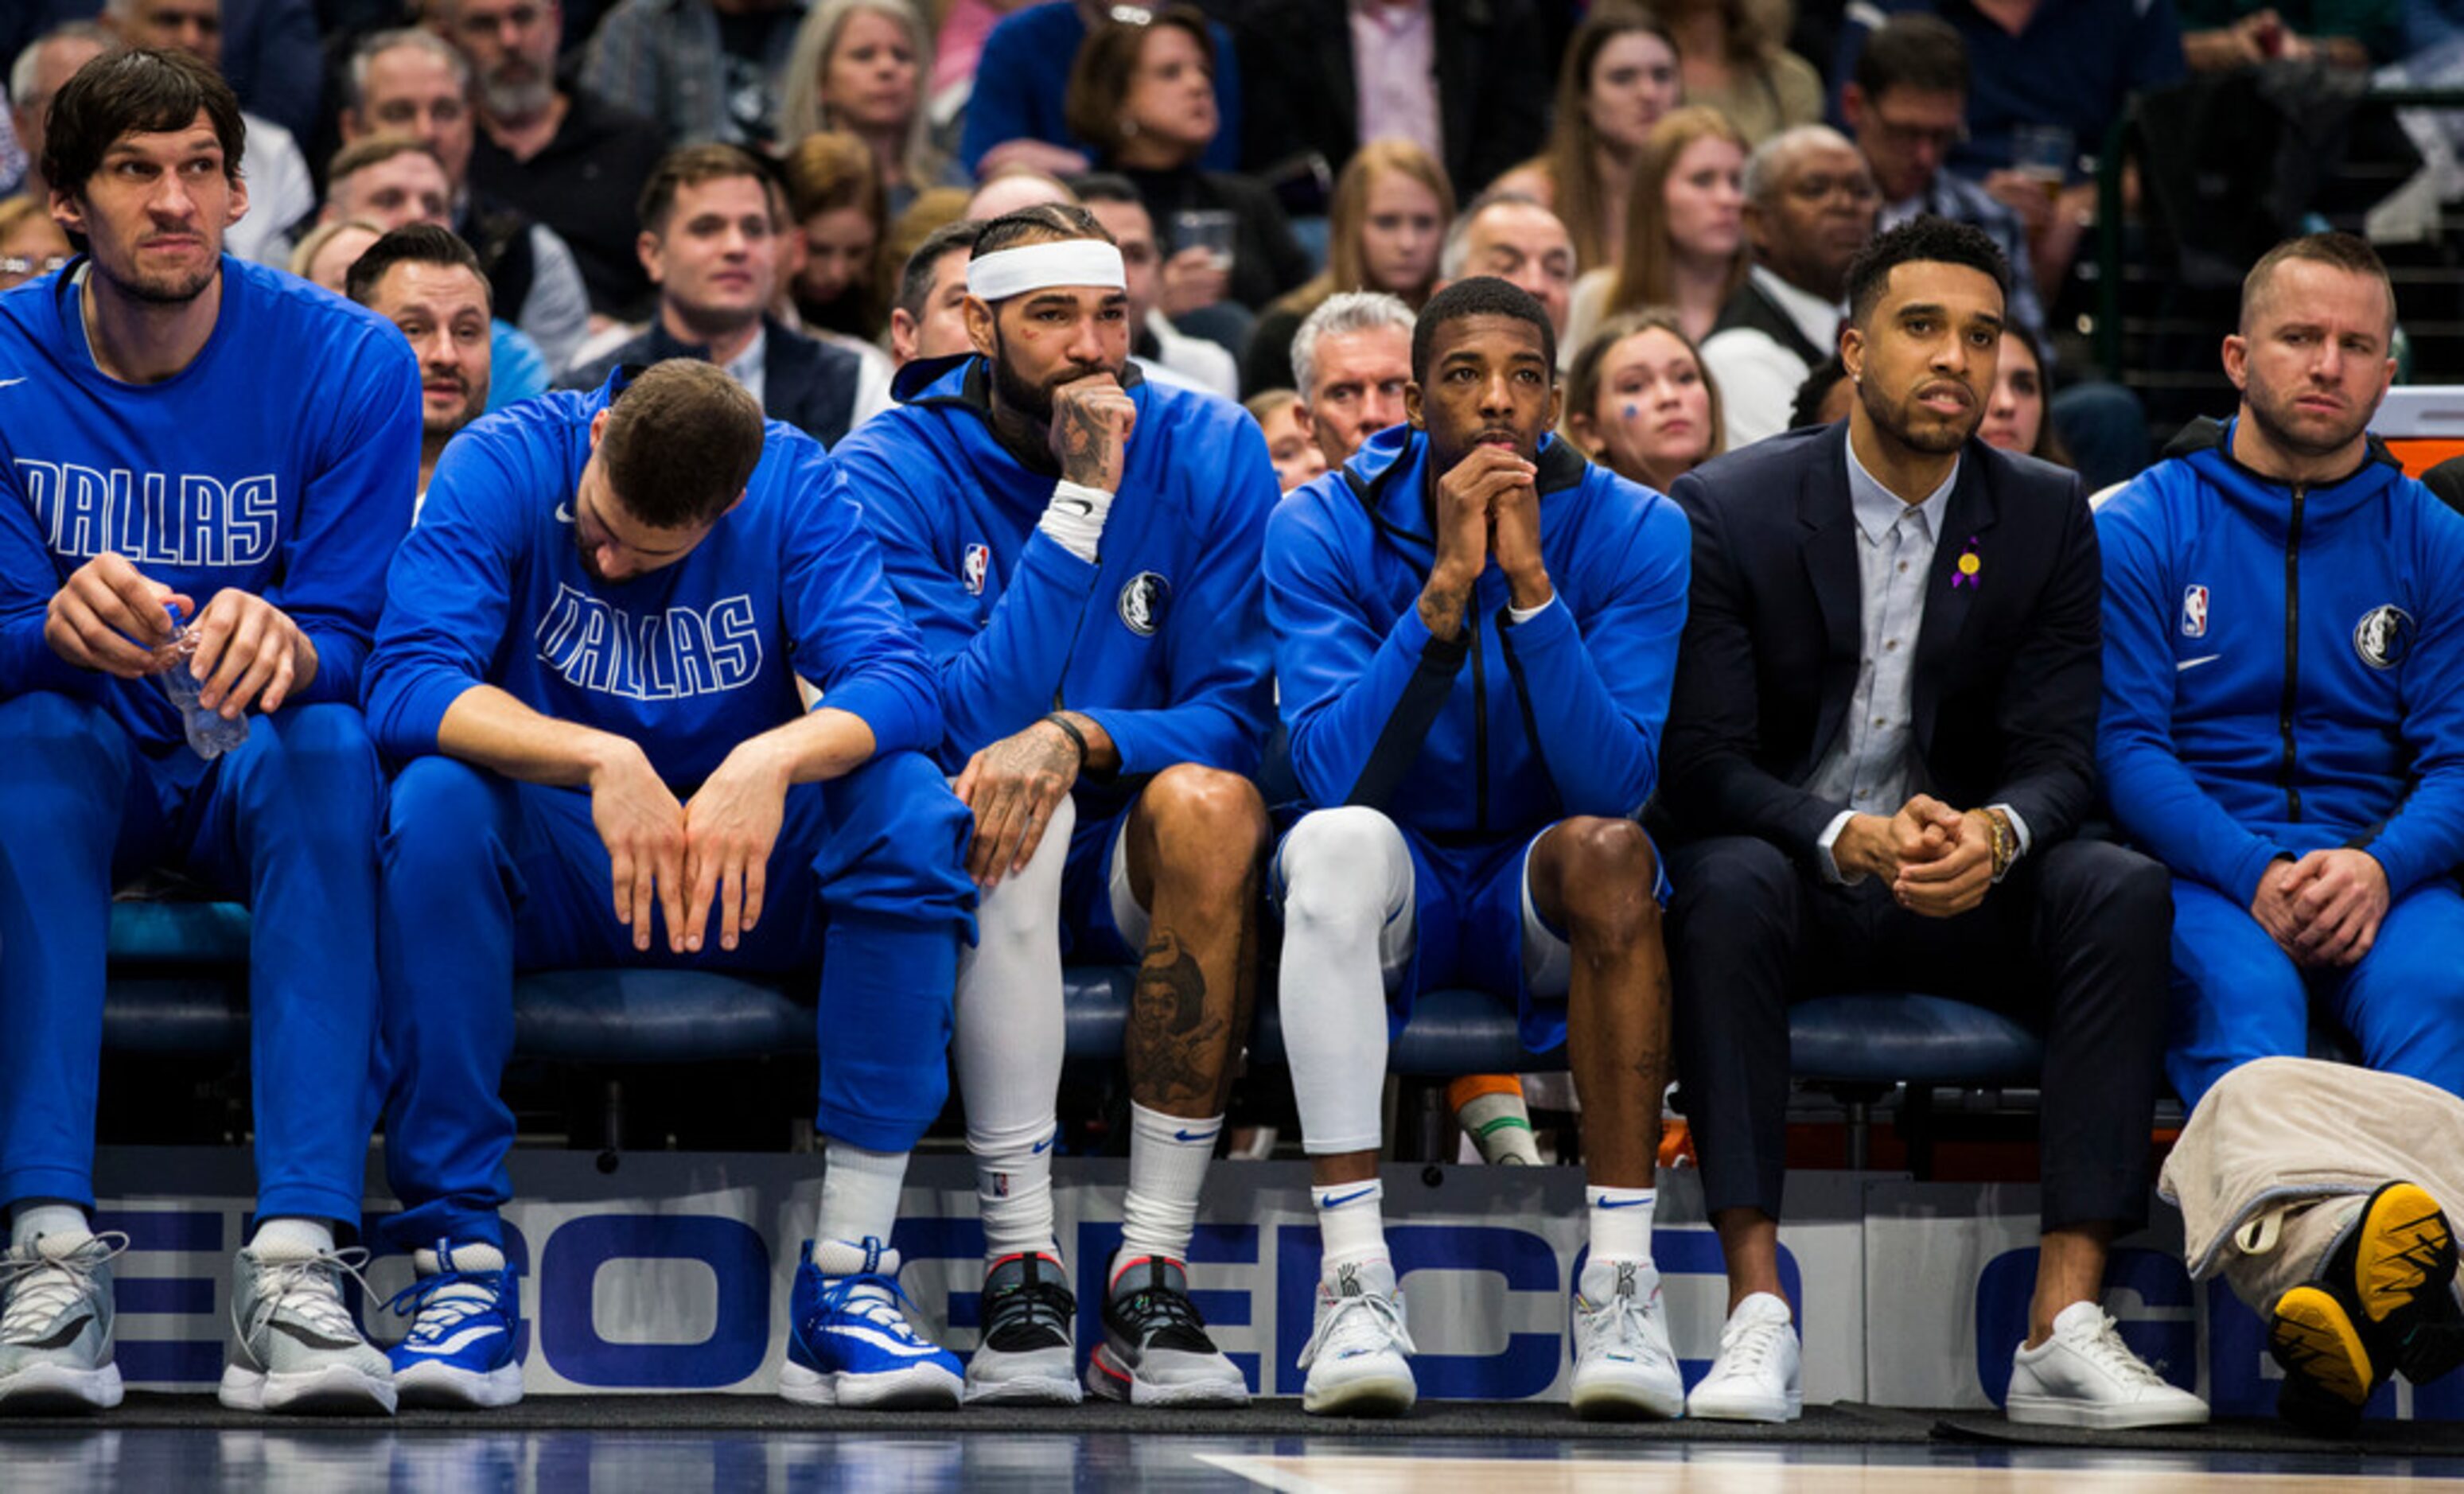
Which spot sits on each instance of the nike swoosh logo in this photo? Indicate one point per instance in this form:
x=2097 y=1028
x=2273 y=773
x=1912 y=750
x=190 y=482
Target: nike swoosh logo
x=1193 y=1135
x=1620 y=1203
x=882 y=1341
x=10 y=384
x=67 y=1332
x=1042 y=1147
x=2193 y=664
x=310 y=1336
x=1340 y=1199
x=459 y=1341
x=563 y=514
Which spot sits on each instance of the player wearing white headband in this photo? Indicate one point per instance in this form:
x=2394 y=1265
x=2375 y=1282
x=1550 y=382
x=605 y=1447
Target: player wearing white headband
x=1081 y=551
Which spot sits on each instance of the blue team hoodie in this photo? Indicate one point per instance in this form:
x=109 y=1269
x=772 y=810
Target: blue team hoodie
x=1163 y=642
x=688 y=660
x=281 y=461
x=1510 y=726
x=2283 y=667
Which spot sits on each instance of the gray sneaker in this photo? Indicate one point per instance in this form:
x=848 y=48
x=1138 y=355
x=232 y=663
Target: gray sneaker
x=56 y=1329
x=296 y=1347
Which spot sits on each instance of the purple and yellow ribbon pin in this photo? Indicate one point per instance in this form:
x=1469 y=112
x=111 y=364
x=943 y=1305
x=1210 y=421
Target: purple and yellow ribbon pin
x=1966 y=572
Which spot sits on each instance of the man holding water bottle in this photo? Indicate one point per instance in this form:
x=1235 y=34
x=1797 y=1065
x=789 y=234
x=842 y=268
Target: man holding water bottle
x=167 y=509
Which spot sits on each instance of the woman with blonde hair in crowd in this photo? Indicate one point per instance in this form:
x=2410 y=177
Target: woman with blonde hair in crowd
x=835 y=198
x=30 y=243
x=858 y=66
x=1685 y=229
x=1733 y=61
x=1619 y=78
x=1385 y=224
x=1640 y=402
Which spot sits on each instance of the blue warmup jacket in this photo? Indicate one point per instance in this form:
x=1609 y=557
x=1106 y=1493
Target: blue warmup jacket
x=688 y=660
x=1508 y=729
x=1163 y=642
x=2283 y=668
x=281 y=461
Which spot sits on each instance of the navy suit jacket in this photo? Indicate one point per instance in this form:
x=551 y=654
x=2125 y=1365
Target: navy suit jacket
x=805 y=382
x=2008 y=664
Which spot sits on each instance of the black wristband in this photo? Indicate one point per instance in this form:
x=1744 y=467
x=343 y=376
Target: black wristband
x=1076 y=735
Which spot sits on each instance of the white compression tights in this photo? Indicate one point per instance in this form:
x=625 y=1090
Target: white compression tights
x=1348 y=930
x=1009 y=1034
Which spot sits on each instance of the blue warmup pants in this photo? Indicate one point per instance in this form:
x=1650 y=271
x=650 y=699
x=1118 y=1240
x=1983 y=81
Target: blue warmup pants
x=482 y=876
x=286 y=823
x=2237 y=996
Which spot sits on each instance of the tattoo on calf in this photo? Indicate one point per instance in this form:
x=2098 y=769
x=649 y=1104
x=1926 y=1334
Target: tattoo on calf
x=1173 y=1042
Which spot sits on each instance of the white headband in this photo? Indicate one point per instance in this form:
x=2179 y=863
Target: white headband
x=1005 y=273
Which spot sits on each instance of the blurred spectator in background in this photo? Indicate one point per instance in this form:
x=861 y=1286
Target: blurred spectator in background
x=2221 y=35
x=1017 y=114
x=1810 y=206
x=280 y=192
x=1142 y=95
x=569 y=158
x=325 y=255
x=427 y=283
x=1351 y=363
x=1388 y=222
x=274 y=57
x=30 y=243
x=858 y=68
x=1824 y=397
x=1618 y=78
x=2016 y=415
x=711 y=225
x=1467 y=80
x=1638 y=402
x=1512 y=237
x=700 y=70
x=1296 y=458
x=1734 y=61
x=1159 y=350
x=835 y=202
x=1013 y=187
x=929 y=319
x=1685 y=241
x=38 y=71
x=414 y=82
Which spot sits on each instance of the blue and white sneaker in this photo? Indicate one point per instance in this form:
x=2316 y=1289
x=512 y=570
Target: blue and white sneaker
x=464 y=1307
x=849 y=1345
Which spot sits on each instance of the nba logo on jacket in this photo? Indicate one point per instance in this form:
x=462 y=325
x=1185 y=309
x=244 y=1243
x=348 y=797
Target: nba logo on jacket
x=2194 y=611
x=973 y=567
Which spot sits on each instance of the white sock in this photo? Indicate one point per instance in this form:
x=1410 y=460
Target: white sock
x=1350 y=1225
x=1013 y=1186
x=859 y=1193
x=471 y=1256
x=1007 y=1041
x=1348 y=880
x=65 y=1220
x=1620 y=1223
x=1168 y=1157
x=1500 y=1125
x=288 y=1236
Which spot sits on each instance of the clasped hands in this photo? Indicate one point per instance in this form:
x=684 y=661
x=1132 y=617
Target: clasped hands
x=1938 y=861
x=2323 y=909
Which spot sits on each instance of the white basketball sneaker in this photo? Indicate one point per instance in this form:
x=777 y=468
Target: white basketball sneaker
x=1757 y=1376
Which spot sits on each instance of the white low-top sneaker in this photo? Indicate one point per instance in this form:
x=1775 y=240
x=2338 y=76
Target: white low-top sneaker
x=1623 y=1366
x=1757 y=1376
x=1356 y=1355
x=2085 y=1375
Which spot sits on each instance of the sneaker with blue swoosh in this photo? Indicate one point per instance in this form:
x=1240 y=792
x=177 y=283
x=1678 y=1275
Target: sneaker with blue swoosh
x=848 y=1342
x=464 y=1310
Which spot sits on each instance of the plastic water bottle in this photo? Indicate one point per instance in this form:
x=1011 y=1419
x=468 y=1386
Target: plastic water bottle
x=209 y=736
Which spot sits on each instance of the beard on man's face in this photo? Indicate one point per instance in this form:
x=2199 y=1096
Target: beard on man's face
x=1029 y=399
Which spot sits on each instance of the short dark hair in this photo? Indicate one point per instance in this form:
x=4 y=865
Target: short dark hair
x=681 y=442
x=916 y=278
x=2346 y=251
x=141 y=92
x=1039 y=223
x=1481 y=295
x=1923 y=54
x=370 y=151
x=1104 y=186
x=691 y=165
x=1924 y=240
x=413 y=243
x=1806 y=408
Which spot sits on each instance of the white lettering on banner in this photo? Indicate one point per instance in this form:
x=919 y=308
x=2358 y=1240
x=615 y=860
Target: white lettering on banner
x=671 y=654
x=160 y=519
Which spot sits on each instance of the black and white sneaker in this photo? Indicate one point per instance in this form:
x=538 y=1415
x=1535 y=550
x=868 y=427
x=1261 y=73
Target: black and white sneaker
x=1155 y=1352
x=1028 y=1355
